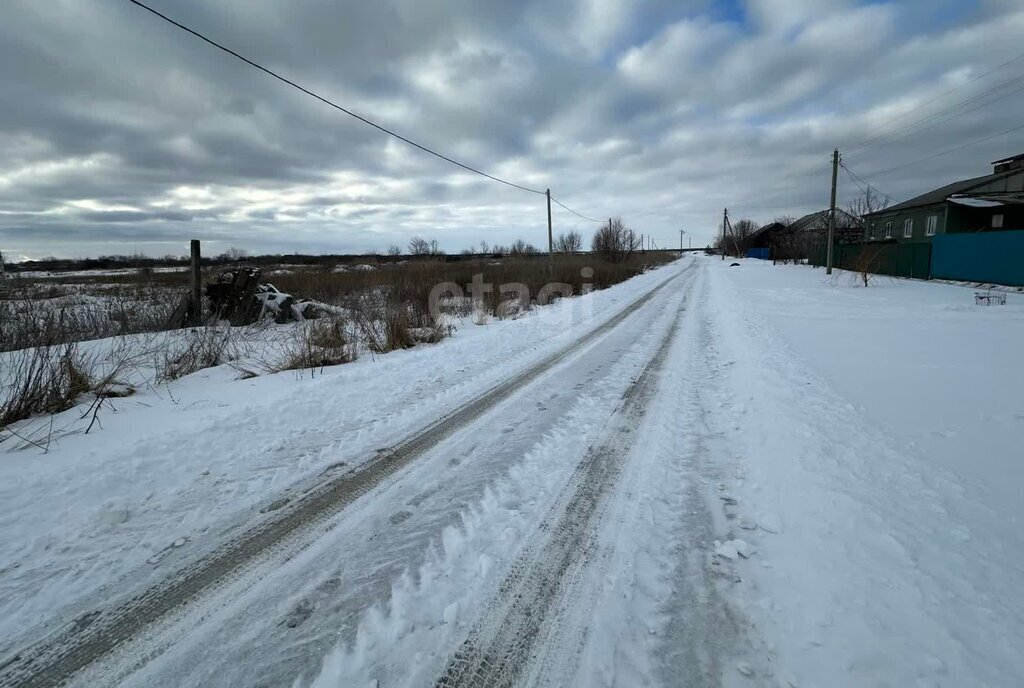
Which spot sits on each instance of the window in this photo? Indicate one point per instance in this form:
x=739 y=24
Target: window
x=888 y=229
x=908 y=228
x=933 y=222
x=997 y=221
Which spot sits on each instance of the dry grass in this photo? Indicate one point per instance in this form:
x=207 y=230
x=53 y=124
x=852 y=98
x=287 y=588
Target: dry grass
x=319 y=344
x=34 y=320
x=387 y=308
x=42 y=380
x=411 y=282
x=386 y=328
x=204 y=347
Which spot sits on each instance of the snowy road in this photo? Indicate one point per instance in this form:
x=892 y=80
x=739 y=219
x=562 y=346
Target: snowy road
x=546 y=411
x=651 y=490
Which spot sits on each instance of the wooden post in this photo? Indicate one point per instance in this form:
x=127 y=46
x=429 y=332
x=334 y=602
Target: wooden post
x=195 y=287
x=551 y=241
x=725 y=221
x=832 y=213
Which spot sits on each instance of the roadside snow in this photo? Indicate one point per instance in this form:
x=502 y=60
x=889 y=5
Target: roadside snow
x=875 y=439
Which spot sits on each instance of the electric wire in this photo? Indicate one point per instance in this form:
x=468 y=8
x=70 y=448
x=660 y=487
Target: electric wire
x=862 y=183
x=589 y=219
x=942 y=95
x=348 y=112
x=946 y=115
x=945 y=152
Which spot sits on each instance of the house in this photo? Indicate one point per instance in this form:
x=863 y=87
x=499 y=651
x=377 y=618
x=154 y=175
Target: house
x=993 y=202
x=848 y=229
x=807 y=237
x=762 y=238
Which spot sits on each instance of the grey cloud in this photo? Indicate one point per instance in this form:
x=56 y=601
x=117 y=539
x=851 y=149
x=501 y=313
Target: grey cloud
x=747 y=122
x=136 y=216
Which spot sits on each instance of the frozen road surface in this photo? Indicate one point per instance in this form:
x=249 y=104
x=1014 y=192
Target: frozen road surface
x=705 y=476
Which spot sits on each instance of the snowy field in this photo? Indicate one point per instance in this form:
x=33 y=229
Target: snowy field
x=706 y=475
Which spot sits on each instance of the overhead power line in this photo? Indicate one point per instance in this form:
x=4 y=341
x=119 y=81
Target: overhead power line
x=589 y=219
x=948 y=114
x=348 y=112
x=863 y=184
x=940 y=97
x=947 y=152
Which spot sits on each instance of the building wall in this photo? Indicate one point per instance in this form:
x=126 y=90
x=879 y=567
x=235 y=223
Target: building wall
x=919 y=218
x=952 y=218
x=1012 y=182
x=964 y=219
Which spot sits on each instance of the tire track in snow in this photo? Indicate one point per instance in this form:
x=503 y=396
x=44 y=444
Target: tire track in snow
x=89 y=638
x=704 y=631
x=500 y=647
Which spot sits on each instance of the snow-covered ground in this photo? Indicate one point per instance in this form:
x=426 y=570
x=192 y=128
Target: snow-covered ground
x=112 y=272
x=209 y=449
x=760 y=476
x=878 y=430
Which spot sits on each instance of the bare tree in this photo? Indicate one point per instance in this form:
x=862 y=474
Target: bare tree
x=864 y=206
x=737 y=238
x=569 y=242
x=394 y=250
x=866 y=262
x=419 y=246
x=521 y=248
x=614 y=241
x=743 y=232
x=234 y=254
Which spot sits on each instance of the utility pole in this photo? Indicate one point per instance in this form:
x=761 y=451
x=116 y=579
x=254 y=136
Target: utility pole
x=551 y=241
x=725 y=223
x=832 y=213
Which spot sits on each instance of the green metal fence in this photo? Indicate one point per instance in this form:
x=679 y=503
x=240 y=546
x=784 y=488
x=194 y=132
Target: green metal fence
x=909 y=259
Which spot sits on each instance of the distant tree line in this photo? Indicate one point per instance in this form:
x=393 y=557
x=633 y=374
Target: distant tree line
x=613 y=241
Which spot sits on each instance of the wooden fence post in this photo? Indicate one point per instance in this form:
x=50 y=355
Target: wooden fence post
x=195 y=287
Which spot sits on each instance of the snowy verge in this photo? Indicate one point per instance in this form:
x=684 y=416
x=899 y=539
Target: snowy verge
x=875 y=565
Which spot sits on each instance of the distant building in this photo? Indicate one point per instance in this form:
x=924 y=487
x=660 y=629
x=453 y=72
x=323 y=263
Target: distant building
x=848 y=228
x=807 y=237
x=763 y=237
x=993 y=202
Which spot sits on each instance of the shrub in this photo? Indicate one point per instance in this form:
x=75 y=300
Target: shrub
x=387 y=329
x=42 y=380
x=204 y=347
x=319 y=344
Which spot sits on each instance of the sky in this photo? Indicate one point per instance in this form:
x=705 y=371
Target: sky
x=120 y=134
